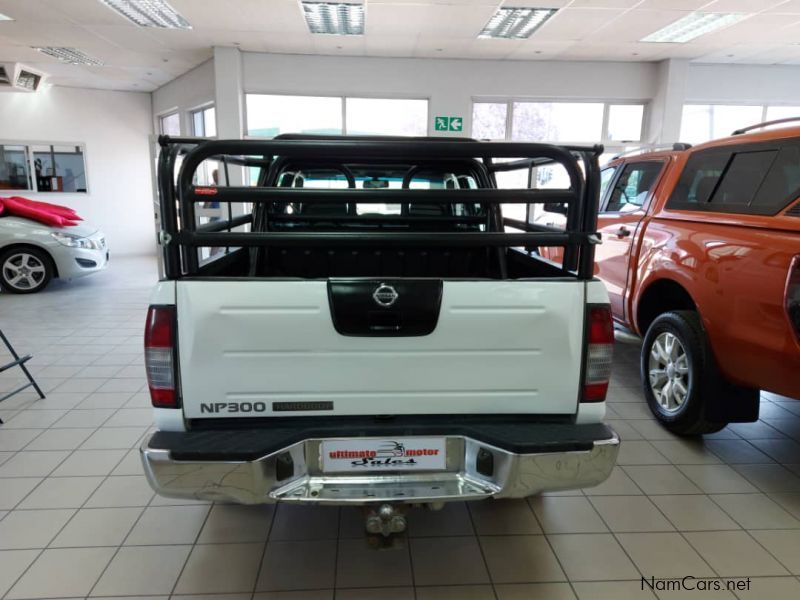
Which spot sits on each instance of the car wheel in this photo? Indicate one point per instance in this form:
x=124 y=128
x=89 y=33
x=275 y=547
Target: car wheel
x=679 y=373
x=25 y=270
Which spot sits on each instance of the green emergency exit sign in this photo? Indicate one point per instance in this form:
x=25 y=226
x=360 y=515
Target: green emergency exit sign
x=449 y=124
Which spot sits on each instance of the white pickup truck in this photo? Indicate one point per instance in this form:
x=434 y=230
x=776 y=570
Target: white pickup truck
x=366 y=324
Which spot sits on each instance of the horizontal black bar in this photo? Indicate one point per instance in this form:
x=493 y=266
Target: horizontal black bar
x=20 y=361
x=16 y=391
x=375 y=218
x=361 y=196
x=362 y=238
x=224 y=224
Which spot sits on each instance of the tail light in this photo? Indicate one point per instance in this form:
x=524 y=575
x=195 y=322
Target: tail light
x=159 y=356
x=792 y=295
x=599 y=352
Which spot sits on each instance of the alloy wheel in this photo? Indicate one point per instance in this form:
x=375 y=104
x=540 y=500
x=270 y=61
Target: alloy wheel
x=669 y=372
x=24 y=271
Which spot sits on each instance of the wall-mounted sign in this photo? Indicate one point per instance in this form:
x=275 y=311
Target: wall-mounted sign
x=449 y=124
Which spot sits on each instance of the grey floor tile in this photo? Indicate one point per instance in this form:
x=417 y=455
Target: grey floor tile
x=640 y=453
x=89 y=462
x=613 y=590
x=84 y=418
x=737 y=452
x=298 y=595
x=297 y=522
x=661 y=479
x=686 y=452
x=503 y=517
x=97 y=527
x=534 y=591
x=34 y=419
x=12 y=440
x=32 y=464
x=142 y=570
x=447 y=561
x=567 y=515
x=129 y=490
x=771 y=587
x=694 y=513
x=734 y=553
x=13 y=564
x=220 y=569
x=14 y=489
x=298 y=565
x=520 y=559
x=111 y=438
x=21 y=529
x=456 y=592
x=630 y=513
x=756 y=511
x=717 y=479
x=161 y=525
x=60 y=439
x=664 y=555
x=592 y=557
x=451 y=520
x=768 y=478
x=61 y=492
x=783 y=451
x=359 y=565
x=227 y=523
x=617 y=484
x=384 y=593
x=783 y=545
x=62 y=573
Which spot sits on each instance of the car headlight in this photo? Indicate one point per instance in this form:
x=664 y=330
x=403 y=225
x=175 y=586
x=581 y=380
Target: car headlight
x=74 y=241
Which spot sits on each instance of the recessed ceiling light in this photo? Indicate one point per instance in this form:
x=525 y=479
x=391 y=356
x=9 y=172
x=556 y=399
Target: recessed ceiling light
x=149 y=13
x=336 y=18
x=5 y=17
x=516 y=23
x=692 y=26
x=72 y=56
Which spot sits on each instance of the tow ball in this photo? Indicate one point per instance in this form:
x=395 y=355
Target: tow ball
x=385 y=520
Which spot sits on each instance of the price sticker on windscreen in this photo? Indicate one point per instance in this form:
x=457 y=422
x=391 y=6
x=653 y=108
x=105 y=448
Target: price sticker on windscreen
x=396 y=454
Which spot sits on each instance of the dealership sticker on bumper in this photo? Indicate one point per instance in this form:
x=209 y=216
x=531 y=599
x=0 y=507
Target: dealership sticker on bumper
x=396 y=454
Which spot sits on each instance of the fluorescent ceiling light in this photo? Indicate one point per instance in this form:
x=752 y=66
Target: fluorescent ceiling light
x=692 y=26
x=337 y=18
x=72 y=56
x=5 y=17
x=149 y=13
x=516 y=23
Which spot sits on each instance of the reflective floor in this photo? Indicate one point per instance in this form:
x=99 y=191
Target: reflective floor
x=77 y=518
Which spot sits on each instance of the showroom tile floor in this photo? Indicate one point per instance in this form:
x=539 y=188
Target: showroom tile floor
x=77 y=518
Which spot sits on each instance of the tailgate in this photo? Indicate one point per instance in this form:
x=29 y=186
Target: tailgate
x=270 y=348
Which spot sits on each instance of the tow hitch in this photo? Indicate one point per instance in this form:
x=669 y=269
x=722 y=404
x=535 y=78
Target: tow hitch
x=385 y=520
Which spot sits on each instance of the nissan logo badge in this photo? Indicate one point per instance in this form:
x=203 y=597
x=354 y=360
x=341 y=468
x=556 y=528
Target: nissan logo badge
x=385 y=295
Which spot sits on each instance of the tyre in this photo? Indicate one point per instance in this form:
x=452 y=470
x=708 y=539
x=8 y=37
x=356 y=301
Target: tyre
x=679 y=373
x=25 y=270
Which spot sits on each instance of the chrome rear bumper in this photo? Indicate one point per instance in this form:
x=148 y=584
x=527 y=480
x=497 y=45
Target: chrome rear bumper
x=292 y=474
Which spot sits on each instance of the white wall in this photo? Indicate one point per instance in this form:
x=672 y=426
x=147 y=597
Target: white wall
x=114 y=127
x=743 y=84
x=187 y=92
x=449 y=84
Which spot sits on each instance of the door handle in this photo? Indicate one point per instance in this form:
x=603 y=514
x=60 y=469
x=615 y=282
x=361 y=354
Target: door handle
x=622 y=232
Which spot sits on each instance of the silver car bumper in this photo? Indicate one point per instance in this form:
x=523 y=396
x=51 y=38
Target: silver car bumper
x=266 y=480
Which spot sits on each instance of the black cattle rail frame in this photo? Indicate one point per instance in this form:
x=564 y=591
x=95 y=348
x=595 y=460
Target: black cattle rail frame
x=181 y=236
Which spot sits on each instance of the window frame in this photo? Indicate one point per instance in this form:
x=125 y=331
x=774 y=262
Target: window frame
x=30 y=162
x=342 y=102
x=165 y=115
x=765 y=106
x=200 y=110
x=736 y=209
x=611 y=145
x=619 y=170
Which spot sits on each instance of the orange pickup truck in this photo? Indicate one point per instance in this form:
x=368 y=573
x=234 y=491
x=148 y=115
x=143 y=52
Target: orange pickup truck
x=701 y=257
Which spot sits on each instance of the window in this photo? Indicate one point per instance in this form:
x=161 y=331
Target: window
x=625 y=122
x=633 y=186
x=270 y=115
x=42 y=167
x=204 y=122
x=14 y=169
x=489 y=120
x=170 y=124
x=386 y=116
x=557 y=121
x=703 y=122
x=606 y=175
x=59 y=168
x=747 y=180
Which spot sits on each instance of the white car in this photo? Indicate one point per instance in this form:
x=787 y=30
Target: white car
x=32 y=253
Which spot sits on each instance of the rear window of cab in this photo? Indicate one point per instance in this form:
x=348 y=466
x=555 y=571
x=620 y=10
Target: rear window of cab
x=757 y=179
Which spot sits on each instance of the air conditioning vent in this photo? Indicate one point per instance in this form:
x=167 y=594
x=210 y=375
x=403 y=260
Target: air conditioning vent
x=16 y=77
x=794 y=211
x=28 y=81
